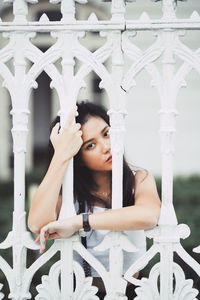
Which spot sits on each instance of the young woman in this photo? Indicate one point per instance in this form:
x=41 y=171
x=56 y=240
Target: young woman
x=88 y=141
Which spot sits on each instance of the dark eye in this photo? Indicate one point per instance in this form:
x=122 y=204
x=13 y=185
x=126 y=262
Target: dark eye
x=90 y=146
x=107 y=133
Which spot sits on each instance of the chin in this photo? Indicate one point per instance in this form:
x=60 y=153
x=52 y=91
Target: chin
x=105 y=168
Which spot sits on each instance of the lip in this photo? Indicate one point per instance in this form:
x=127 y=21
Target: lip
x=109 y=159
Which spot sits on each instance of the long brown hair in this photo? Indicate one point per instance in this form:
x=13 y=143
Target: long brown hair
x=84 y=182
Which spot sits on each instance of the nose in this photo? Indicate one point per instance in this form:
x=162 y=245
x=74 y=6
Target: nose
x=106 y=145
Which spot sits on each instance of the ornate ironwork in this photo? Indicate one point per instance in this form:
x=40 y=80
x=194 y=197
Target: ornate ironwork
x=119 y=34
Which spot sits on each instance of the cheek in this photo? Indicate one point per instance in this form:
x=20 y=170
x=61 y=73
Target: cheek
x=90 y=158
x=86 y=157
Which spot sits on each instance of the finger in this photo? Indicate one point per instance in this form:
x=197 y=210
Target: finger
x=55 y=129
x=42 y=245
x=79 y=133
x=37 y=240
x=53 y=236
x=75 y=127
x=43 y=235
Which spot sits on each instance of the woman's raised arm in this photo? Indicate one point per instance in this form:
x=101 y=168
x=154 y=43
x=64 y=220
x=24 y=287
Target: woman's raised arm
x=46 y=202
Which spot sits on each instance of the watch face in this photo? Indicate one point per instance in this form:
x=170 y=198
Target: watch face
x=87 y=229
x=86 y=224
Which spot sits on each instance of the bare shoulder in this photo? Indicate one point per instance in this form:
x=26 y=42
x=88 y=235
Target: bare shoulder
x=145 y=188
x=143 y=176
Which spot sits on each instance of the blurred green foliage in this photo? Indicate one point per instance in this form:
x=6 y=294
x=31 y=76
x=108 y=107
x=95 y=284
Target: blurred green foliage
x=186 y=200
x=186 y=203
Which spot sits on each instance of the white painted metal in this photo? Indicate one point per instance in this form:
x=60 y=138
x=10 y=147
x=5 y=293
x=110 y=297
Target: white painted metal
x=4 y=137
x=168 y=233
x=67 y=84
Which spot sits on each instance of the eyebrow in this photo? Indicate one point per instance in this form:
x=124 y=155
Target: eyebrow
x=90 y=140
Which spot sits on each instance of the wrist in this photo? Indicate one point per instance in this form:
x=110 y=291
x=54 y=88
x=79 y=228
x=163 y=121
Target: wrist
x=77 y=222
x=85 y=229
x=60 y=160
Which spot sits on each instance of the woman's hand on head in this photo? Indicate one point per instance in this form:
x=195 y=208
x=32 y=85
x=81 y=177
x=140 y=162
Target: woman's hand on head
x=55 y=230
x=68 y=141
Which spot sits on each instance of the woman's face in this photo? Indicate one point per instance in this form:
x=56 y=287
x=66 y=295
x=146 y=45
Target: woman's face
x=95 y=151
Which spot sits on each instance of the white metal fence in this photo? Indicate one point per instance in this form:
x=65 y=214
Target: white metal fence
x=119 y=33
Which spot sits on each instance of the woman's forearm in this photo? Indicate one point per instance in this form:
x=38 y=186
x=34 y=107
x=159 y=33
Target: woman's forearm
x=136 y=217
x=44 y=204
x=126 y=218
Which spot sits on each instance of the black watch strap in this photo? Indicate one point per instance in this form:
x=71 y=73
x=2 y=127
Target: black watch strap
x=86 y=224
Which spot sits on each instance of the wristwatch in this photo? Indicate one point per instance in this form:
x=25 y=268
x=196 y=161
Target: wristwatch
x=86 y=225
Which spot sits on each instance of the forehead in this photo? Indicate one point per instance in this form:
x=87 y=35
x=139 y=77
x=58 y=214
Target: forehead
x=92 y=127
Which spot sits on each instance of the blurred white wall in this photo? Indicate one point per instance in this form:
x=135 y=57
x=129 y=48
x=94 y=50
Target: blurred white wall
x=142 y=140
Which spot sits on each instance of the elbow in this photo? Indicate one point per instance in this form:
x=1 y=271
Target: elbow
x=36 y=223
x=33 y=227
x=148 y=223
x=32 y=222
x=154 y=218
x=150 y=220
